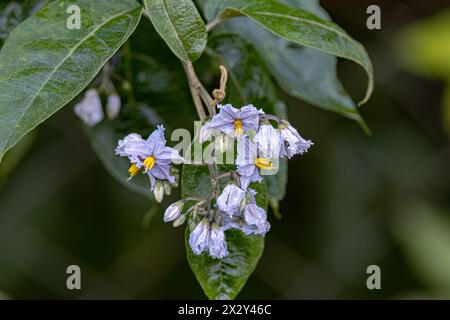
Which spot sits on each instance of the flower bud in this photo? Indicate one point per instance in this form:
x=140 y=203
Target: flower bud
x=113 y=106
x=158 y=191
x=167 y=188
x=173 y=211
x=179 y=221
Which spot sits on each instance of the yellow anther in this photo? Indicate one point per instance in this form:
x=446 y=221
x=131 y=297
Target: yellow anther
x=149 y=162
x=238 y=130
x=133 y=170
x=263 y=163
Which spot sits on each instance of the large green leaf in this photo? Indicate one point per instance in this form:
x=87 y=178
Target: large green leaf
x=304 y=73
x=222 y=278
x=180 y=25
x=249 y=82
x=296 y=25
x=44 y=65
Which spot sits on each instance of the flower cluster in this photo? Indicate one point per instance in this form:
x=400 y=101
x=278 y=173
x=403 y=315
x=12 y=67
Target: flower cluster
x=259 y=145
x=153 y=158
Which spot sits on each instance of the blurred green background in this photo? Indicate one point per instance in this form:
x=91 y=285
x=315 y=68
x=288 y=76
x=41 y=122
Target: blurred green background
x=352 y=201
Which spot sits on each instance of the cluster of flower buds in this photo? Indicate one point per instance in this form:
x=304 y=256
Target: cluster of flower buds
x=259 y=145
x=153 y=158
x=90 y=109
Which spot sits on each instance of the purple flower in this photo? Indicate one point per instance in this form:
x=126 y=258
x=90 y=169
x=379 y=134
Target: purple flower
x=256 y=220
x=207 y=237
x=291 y=141
x=199 y=237
x=248 y=163
x=234 y=122
x=230 y=199
x=89 y=110
x=150 y=155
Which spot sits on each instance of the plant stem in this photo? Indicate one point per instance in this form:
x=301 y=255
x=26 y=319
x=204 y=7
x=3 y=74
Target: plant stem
x=210 y=25
x=193 y=86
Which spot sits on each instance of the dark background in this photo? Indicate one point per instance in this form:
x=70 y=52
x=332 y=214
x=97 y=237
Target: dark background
x=352 y=201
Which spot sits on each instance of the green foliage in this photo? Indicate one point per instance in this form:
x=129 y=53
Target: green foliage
x=180 y=25
x=44 y=66
x=296 y=25
x=56 y=68
x=222 y=278
x=305 y=73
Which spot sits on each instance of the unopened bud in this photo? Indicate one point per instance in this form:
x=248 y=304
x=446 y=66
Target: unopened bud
x=179 y=221
x=173 y=211
x=167 y=188
x=113 y=106
x=158 y=191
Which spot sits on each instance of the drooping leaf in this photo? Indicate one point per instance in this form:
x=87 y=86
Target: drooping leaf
x=249 y=82
x=303 y=72
x=222 y=278
x=180 y=25
x=44 y=65
x=296 y=25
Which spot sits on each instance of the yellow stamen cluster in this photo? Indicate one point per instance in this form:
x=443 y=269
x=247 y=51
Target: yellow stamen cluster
x=149 y=162
x=133 y=170
x=263 y=163
x=238 y=130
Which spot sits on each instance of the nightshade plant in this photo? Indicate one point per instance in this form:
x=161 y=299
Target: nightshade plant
x=142 y=71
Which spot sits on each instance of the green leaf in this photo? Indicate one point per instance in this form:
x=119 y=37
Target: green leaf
x=298 y=26
x=249 y=82
x=44 y=65
x=222 y=278
x=180 y=25
x=304 y=73
x=163 y=97
x=103 y=139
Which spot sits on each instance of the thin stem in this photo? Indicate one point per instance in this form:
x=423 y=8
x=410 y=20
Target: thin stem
x=193 y=86
x=210 y=25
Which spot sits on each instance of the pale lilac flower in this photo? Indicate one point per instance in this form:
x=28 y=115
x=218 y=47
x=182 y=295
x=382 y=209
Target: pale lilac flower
x=218 y=248
x=268 y=141
x=230 y=199
x=291 y=141
x=255 y=219
x=89 y=110
x=248 y=163
x=234 y=122
x=150 y=155
x=173 y=211
x=113 y=106
x=199 y=237
x=210 y=238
